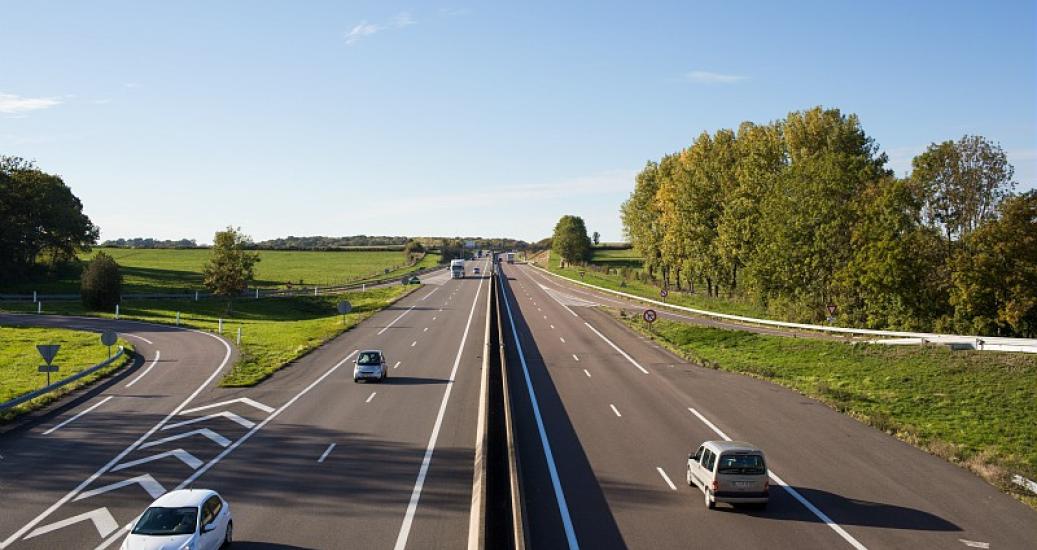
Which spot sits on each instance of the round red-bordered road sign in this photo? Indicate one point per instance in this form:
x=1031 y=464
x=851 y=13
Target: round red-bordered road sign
x=649 y=316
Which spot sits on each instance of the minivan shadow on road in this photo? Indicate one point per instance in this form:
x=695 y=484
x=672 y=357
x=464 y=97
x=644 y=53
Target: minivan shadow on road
x=845 y=511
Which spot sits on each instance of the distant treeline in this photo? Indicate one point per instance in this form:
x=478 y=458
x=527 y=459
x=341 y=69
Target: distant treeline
x=144 y=242
x=803 y=212
x=331 y=243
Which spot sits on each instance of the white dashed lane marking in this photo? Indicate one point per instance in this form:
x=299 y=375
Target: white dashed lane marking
x=614 y=409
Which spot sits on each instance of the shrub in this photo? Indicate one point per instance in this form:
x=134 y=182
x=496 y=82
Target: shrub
x=101 y=283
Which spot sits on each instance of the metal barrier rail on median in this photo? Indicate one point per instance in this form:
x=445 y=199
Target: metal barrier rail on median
x=990 y=343
x=498 y=508
x=32 y=395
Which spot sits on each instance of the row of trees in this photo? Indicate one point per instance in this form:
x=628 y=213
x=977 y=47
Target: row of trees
x=803 y=212
x=148 y=242
x=42 y=221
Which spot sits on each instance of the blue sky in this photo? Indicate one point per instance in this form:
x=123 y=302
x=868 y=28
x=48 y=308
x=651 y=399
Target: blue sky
x=173 y=120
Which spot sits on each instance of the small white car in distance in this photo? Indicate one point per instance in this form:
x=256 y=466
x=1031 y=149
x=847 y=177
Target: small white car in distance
x=730 y=471
x=187 y=519
x=370 y=364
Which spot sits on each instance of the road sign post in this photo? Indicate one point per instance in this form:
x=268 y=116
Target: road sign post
x=108 y=338
x=663 y=294
x=344 y=307
x=831 y=313
x=649 y=316
x=47 y=352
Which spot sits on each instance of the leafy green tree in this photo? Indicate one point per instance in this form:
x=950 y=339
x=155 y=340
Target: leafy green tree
x=962 y=183
x=230 y=266
x=641 y=218
x=570 y=240
x=596 y=238
x=413 y=250
x=101 y=283
x=42 y=219
x=995 y=275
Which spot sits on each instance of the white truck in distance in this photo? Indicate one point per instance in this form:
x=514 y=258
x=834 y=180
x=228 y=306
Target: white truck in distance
x=457 y=269
x=511 y=257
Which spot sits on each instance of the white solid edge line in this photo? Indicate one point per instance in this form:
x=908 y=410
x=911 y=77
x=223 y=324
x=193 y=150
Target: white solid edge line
x=81 y=413
x=615 y=347
x=430 y=294
x=563 y=508
x=198 y=473
x=795 y=494
x=615 y=410
x=137 y=337
x=400 y=316
x=412 y=506
x=326 y=453
x=147 y=370
x=370 y=397
x=666 y=478
x=118 y=458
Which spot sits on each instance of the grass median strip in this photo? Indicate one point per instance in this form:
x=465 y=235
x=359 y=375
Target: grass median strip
x=274 y=331
x=19 y=360
x=975 y=409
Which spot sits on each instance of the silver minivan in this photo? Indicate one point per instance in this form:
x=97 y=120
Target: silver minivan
x=730 y=471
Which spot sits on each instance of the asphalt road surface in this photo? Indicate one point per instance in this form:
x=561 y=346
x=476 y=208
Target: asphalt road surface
x=606 y=420
x=307 y=459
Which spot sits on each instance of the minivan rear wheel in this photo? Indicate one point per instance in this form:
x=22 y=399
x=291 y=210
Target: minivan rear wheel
x=710 y=503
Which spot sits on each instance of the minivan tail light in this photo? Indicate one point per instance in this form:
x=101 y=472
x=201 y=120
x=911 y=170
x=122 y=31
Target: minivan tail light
x=716 y=486
x=766 y=485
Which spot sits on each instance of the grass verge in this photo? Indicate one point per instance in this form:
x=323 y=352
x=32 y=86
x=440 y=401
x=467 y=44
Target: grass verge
x=975 y=409
x=275 y=331
x=19 y=360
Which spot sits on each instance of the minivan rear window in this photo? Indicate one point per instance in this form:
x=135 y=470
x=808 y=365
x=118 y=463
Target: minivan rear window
x=742 y=464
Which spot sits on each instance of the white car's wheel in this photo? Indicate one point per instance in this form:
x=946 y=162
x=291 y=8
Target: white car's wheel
x=228 y=539
x=688 y=476
x=356 y=380
x=710 y=503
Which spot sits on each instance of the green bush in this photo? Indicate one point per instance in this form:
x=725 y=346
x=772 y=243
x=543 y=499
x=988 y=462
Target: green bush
x=101 y=283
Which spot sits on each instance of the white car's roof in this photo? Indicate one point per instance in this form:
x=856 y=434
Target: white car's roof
x=378 y=351
x=183 y=498
x=733 y=446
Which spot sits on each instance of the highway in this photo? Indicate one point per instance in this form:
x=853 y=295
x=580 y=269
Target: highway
x=307 y=459
x=603 y=450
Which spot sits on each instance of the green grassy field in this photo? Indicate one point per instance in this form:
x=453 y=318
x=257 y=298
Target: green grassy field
x=976 y=409
x=180 y=270
x=275 y=331
x=19 y=360
x=617 y=259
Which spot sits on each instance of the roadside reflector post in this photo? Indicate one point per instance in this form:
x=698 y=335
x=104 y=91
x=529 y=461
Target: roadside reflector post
x=196 y=295
x=34 y=296
x=257 y=293
x=116 y=312
x=39 y=307
x=178 y=318
x=239 y=336
x=314 y=291
x=220 y=329
x=363 y=287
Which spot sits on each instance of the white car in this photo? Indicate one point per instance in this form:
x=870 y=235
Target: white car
x=370 y=365
x=730 y=471
x=188 y=519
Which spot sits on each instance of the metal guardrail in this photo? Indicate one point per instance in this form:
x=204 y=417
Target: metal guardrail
x=498 y=507
x=47 y=389
x=988 y=343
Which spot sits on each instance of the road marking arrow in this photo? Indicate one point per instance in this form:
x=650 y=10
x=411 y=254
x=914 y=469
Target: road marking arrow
x=215 y=437
x=184 y=456
x=225 y=414
x=102 y=518
x=244 y=400
x=154 y=488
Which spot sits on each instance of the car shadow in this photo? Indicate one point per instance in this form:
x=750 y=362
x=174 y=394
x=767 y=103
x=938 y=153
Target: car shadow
x=843 y=511
x=255 y=545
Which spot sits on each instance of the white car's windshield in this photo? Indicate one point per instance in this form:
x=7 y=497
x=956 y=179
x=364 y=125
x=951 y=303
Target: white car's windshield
x=741 y=464
x=369 y=359
x=167 y=521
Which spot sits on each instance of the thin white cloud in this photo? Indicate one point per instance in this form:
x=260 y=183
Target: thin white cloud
x=403 y=19
x=11 y=104
x=365 y=29
x=706 y=77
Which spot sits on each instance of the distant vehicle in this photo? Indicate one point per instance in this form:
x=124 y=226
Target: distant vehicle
x=475 y=271
x=370 y=365
x=511 y=257
x=414 y=280
x=457 y=269
x=186 y=518
x=729 y=471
